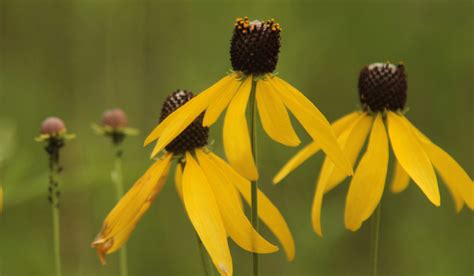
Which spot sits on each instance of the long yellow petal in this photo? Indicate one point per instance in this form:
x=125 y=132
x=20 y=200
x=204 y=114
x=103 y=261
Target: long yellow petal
x=296 y=161
x=351 y=140
x=236 y=134
x=123 y=218
x=453 y=175
x=313 y=121
x=220 y=103
x=201 y=206
x=267 y=212
x=177 y=121
x=237 y=225
x=178 y=180
x=412 y=156
x=400 y=179
x=367 y=185
x=274 y=116
x=312 y=148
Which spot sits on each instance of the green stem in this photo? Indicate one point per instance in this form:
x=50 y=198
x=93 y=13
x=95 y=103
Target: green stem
x=375 y=241
x=205 y=260
x=56 y=239
x=254 y=184
x=117 y=178
x=54 y=194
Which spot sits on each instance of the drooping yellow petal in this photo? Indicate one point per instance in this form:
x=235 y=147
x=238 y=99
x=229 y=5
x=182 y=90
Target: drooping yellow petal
x=400 y=179
x=178 y=180
x=453 y=175
x=351 y=140
x=367 y=185
x=267 y=212
x=201 y=206
x=220 y=103
x=123 y=218
x=236 y=134
x=412 y=156
x=237 y=225
x=274 y=116
x=311 y=149
x=313 y=121
x=177 y=121
x=296 y=161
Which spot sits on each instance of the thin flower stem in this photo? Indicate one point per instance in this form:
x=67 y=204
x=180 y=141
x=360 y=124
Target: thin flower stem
x=254 y=186
x=117 y=178
x=375 y=241
x=56 y=239
x=54 y=194
x=205 y=260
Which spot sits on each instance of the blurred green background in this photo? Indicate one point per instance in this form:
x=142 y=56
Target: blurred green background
x=74 y=59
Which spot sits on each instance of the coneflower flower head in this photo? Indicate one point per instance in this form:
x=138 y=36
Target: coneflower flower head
x=114 y=124
x=255 y=46
x=52 y=126
x=254 y=55
x=211 y=191
x=383 y=86
x=383 y=94
x=195 y=135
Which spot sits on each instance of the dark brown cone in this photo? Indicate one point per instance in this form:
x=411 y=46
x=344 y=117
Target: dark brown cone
x=383 y=86
x=195 y=135
x=255 y=46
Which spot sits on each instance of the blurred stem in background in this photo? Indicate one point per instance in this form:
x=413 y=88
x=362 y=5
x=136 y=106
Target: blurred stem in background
x=54 y=193
x=375 y=241
x=205 y=259
x=117 y=179
x=254 y=186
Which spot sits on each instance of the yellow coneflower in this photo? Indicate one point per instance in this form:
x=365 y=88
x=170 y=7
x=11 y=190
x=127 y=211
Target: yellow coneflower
x=211 y=192
x=254 y=50
x=383 y=93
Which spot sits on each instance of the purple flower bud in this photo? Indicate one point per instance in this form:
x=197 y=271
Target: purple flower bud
x=115 y=118
x=52 y=126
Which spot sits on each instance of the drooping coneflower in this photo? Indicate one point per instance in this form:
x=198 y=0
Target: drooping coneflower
x=210 y=190
x=53 y=132
x=254 y=50
x=114 y=125
x=383 y=94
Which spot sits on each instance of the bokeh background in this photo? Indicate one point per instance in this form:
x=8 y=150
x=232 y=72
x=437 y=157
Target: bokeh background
x=74 y=59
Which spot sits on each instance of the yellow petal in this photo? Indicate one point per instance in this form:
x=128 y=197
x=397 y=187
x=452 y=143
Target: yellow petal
x=267 y=212
x=351 y=140
x=220 y=103
x=204 y=214
x=177 y=121
x=273 y=115
x=412 y=157
x=400 y=179
x=237 y=225
x=123 y=218
x=313 y=121
x=311 y=149
x=236 y=134
x=453 y=175
x=366 y=188
x=178 y=180
x=296 y=161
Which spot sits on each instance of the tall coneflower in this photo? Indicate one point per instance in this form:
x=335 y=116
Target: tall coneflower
x=54 y=134
x=254 y=50
x=114 y=125
x=211 y=192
